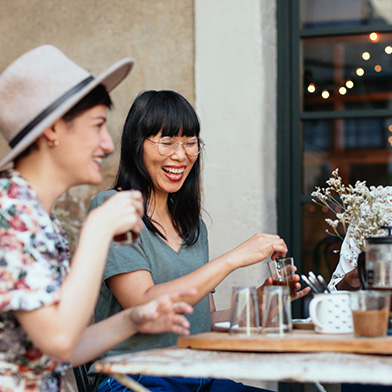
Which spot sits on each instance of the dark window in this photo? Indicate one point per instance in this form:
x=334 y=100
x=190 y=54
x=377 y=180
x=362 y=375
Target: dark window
x=334 y=111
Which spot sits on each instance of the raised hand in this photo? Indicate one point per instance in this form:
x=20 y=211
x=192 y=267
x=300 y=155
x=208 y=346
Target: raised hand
x=294 y=280
x=120 y=213
x=299 y=292
x=257 y=248
x=165 y=314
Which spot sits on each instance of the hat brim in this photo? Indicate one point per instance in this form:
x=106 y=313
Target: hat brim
x=111 y=78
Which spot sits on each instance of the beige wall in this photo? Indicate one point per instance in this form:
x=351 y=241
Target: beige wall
x=159 y=34
x=220 y=54
x=236 y=101
x=233 y=89
x=235 y=68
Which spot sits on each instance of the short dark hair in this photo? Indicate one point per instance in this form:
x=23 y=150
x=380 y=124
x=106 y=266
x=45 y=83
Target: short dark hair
x=169 y=112
x=97 y=96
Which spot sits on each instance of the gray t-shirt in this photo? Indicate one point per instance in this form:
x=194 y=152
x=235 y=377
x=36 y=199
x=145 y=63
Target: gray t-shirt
x=151 y=253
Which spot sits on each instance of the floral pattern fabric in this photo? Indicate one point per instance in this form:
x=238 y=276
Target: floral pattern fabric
x=34 y=259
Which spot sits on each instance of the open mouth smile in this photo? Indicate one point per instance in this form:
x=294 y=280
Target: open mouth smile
x=174 y=173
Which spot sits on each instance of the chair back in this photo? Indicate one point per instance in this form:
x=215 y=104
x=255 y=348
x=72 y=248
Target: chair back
x=81 y=378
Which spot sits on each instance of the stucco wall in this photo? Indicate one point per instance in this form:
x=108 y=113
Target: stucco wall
x=232 y=48
x=223 y=52
x=159 y=34
x=220 y=54
x=236 y=101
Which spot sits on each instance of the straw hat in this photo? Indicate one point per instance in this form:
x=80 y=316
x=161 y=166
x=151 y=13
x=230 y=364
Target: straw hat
x=39 y=88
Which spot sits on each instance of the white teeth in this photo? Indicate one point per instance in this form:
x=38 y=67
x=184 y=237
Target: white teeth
x=97 y=159
x=173 y=170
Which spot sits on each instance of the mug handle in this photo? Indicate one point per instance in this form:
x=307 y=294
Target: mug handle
x=313 y=307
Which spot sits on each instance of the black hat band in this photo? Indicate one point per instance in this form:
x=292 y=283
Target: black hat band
x=45 y=113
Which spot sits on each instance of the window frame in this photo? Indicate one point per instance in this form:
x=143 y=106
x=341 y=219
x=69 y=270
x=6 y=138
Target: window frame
x=289 y=118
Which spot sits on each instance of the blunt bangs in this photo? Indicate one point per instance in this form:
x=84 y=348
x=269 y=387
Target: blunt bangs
x=151 y=112
x=170 y=112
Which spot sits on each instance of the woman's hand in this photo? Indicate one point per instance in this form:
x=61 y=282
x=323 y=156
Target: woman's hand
x=257 y=248
x=120 y=213
x=299 y=292
x=350 y=281
x=164 y=314
x=294 y=280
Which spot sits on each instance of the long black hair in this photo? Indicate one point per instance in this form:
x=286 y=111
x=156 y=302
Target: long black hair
x=170 y=113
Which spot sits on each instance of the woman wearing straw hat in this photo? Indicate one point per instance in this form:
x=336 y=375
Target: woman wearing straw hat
x=53 y=115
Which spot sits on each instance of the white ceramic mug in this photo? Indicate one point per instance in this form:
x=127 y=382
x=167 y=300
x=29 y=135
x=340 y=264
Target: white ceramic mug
x=331 y=313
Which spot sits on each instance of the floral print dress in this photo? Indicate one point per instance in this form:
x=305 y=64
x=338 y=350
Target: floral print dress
x=34 y=259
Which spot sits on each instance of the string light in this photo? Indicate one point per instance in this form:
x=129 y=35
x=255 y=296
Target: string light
x=311 y=88
x=390 y=128
x=349 y=84
x=342 y=90
x=325 y=94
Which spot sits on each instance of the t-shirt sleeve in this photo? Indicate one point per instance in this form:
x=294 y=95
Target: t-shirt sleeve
x=29 y=276
x=124 y=259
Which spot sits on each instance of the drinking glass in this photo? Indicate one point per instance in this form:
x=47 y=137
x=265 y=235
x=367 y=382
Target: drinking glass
x=124 y=239
x=127 y=238
x=282 y=273
x=245 y=311
x=276 y=315
x=370 y=311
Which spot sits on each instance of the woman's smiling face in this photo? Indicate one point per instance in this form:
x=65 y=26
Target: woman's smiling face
x=167 y=173
x=83 y=143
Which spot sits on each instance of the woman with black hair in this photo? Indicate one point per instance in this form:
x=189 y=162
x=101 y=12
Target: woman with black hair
x=160 y=157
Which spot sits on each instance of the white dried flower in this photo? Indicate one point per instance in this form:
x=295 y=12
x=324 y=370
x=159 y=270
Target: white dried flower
x=364 y=209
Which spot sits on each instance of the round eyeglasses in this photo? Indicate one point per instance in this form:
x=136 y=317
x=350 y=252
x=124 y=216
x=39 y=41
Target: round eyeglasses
x=168 y=145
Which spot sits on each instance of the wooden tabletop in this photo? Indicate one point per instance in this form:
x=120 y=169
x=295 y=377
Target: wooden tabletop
x=324 y=367
x=298 y=341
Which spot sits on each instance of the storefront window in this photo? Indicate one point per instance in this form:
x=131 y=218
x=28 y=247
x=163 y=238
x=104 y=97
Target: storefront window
x=347 y=72
x=345 y=109
x=336 y=57
x=347 y=13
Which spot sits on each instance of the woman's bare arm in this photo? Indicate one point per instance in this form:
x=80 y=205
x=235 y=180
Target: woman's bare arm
x=57 y=328
x=135 y=288
x=162 y=315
